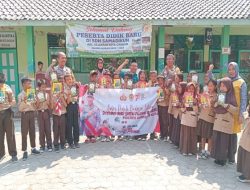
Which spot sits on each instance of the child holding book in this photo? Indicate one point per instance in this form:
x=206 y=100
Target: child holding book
x=58 y=105
x=163 y=102
x=72 y=125
x=188 y=136
x=207 y=117
x=127 y=81
x=27 y=107
x=142 y=83
x=175 y=103
x=152 y=79
x=43 y=105
x=223 y=138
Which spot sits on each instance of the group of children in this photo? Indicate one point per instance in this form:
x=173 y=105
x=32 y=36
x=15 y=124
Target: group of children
x=58 y=102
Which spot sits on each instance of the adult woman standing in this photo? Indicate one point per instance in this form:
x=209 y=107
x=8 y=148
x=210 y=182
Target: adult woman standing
x=240 y=91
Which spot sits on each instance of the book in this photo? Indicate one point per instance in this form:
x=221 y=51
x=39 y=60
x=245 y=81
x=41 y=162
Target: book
x=103 y=81
x=195 y=79
x=130 y=84
x=2 y=95
x=221 y=98
x=175 y=99
x=56 y=87
x=160 y=94
x=53 y=77
x=92 y=87
x=204 y=99
x=41 y=96
x=189 y=100
x=73 y=91
x=30 y=94
x=117 y=83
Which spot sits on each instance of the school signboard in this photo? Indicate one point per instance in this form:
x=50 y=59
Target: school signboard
x=88 y=41
x=118 y=111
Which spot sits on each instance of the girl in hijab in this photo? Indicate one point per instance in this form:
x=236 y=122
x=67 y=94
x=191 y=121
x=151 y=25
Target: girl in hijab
x=224 y=141
x=243 y=160
x=188 y=135
x=175 y=106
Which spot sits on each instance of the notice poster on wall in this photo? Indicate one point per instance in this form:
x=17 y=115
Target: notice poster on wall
x=89 y=40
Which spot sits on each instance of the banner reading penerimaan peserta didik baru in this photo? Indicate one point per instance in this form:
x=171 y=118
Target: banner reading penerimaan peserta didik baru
x=118 y=111
x=84 y=40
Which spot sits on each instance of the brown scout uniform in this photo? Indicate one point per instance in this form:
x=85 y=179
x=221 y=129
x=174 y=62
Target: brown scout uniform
x=44 y=120
x=7 y=125
x=27 y=121
x=59 y=122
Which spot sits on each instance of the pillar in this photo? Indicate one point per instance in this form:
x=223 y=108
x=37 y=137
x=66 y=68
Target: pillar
x=161 y=49
x=30 y=51
x=224 y=43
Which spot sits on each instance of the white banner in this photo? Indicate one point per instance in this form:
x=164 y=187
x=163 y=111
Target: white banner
x=119 y=111
x=82 y=39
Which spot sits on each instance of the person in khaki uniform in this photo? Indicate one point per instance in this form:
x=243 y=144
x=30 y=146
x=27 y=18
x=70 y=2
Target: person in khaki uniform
x=58 y=105
x=43 y=103
x=7 y=100
x=223 y=137
x=243 y=160
x=27 y=107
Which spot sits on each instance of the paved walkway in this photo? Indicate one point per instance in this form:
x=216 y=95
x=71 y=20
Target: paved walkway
x=116 y=165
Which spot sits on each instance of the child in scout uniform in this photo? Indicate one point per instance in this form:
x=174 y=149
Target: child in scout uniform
x=43 y=105
x=152 y=79
x=7 y=100
x=142 y=83
x=243 y=161
x=72 y=126
x=207 y=117
x=127 y=81
x=175 y=104
x=226 y=105
x=188 y=134
x=163 y=102
x=27 y=107
x=58 y=105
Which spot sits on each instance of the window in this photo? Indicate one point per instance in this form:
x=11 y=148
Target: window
x=215 y=59
x=244 y=60
x=195 y=60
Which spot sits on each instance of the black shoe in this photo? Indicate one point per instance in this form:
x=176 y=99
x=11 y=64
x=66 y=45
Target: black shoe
x=77 y=145
x=25 y=156
x=63 y=147
x=14 y=158
x=42 y=149
x=56 y=148
x=243 y=179
x=35 y=151
x=72 y=146
x=50 y=148
x=219 y=162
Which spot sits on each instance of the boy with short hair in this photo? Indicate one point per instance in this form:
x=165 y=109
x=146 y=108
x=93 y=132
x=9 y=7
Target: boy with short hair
x=152 y=78
x=71 y=91
x=43 y=104
x=27 y=108
x=58 y=105
x=7 y=100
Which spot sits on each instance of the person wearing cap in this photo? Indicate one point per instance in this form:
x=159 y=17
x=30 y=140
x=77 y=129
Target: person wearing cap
x=132 y=70
x=90 y=118
x=43 y=115
x=7 y=100
x=27 y=107
x=72 y=125
x=61 y=69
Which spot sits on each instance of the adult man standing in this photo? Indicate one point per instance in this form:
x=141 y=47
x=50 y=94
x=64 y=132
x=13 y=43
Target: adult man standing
x=170 y=69
x=7 y=100
x=132 y=70
x=61 y=69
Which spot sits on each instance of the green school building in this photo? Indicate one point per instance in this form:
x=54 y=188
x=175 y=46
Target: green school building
x=197 y=32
